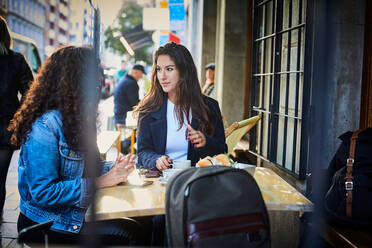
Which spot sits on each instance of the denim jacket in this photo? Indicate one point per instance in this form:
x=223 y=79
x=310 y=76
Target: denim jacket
x=50 y=176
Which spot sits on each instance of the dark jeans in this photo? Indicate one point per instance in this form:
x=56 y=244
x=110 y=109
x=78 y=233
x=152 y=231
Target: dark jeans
x=5 y=157
x=108 y=232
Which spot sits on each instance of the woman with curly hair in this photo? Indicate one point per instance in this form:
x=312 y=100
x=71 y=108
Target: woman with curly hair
x=175 y=106
x=15 y=76
x=54 y=127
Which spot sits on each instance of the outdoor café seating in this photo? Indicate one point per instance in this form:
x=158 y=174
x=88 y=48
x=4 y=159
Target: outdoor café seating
x=141 y=196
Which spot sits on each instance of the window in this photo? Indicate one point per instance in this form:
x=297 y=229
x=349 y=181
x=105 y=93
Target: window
x=61 y=31
x=277 y=82
x=63 y=17
x=35 y=59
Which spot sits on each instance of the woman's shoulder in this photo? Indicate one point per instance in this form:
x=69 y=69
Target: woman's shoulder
x=51 y=118
x=211 y=103
x=47 y=126
x=15 y=58
x=16 y=55
x=210 y=100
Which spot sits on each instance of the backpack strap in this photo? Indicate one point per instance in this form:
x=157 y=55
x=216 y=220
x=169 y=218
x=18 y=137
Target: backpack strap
x=349 y=173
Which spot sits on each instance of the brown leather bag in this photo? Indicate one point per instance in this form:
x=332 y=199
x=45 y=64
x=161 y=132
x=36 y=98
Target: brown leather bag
x=349 y=198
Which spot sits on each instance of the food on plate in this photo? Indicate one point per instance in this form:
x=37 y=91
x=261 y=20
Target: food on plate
x=220 y=159
x=205 y=162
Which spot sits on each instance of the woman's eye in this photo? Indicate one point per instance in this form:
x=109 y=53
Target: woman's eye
x=157 y=69
x=169 y=69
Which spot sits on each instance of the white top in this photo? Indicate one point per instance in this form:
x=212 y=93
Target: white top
x=177 y=145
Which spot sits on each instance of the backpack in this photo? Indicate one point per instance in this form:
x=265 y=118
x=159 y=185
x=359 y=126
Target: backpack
x=349 y=198
x=216 y=206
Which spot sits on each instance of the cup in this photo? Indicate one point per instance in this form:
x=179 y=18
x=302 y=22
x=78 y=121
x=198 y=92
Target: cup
x=168 y=173
x=181 y=164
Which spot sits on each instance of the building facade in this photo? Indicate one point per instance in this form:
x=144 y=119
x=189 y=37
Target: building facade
x=82 y=23
x=58 y=25
x=27 y=17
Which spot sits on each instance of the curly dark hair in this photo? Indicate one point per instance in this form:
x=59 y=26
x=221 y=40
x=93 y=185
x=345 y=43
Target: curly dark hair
x=68 y=82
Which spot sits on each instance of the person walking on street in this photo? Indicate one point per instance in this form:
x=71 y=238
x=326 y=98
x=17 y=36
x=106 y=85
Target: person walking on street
x=126 y=94
x=15 y=76
x=122 y=72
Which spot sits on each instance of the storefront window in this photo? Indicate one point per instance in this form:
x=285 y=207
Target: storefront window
x=279 y=31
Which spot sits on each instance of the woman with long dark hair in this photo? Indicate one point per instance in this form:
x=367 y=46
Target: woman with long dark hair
x=176 y=121
x=55 y=127
x=15 y=76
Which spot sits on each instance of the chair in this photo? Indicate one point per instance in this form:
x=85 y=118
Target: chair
x=28 y=234
x=128 y=133
x=236 y=131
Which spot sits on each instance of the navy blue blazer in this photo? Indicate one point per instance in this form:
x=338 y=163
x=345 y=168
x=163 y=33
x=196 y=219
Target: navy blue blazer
x=152 y=136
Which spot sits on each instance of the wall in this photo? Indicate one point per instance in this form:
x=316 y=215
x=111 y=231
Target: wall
x=209 y=35
x=231 y=57
x=195 y=32
x=337 y=36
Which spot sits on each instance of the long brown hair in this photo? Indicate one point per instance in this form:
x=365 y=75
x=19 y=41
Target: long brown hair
x=68 y=82
x=188 y=92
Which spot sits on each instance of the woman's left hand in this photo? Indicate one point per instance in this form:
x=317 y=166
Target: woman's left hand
x=124 y=165
x=197 y=138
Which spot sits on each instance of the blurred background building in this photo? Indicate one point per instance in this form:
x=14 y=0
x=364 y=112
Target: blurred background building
x=58 y=25
x=28 y=18
x=82 y=20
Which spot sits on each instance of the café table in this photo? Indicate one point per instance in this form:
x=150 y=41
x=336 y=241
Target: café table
x=284 y=203
x=132 y=199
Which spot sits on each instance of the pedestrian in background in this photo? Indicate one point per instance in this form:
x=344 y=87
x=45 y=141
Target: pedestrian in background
x=121 y=72
x=15 y=76
x=208 y=88
x=126 y=94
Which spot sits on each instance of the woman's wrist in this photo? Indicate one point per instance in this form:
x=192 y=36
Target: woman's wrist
x=102 y=182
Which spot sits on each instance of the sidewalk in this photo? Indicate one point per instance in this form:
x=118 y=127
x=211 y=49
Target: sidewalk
x=8 y=227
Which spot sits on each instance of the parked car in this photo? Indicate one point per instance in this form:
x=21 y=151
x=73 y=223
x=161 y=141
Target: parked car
x=27 y=47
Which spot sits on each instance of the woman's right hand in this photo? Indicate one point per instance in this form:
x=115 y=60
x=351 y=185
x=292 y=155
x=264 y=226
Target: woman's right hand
x=124 y=165
x=163 y=163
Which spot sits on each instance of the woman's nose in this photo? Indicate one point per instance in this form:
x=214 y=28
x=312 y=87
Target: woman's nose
x=163 y=74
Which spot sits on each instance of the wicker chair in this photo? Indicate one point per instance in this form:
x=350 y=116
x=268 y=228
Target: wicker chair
x=236 y=131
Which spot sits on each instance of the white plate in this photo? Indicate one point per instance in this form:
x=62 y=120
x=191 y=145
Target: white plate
x=242 y=166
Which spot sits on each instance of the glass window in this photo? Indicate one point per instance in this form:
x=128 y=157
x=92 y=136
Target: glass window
x=35 y=59
x=277 y=84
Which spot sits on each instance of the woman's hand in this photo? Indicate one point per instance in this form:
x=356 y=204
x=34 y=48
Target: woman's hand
x=124 y=165
x=163 y=163
x=197 y=138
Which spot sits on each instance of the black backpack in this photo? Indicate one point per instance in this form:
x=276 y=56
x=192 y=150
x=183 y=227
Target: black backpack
x=349 y=197
x=216 y=206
